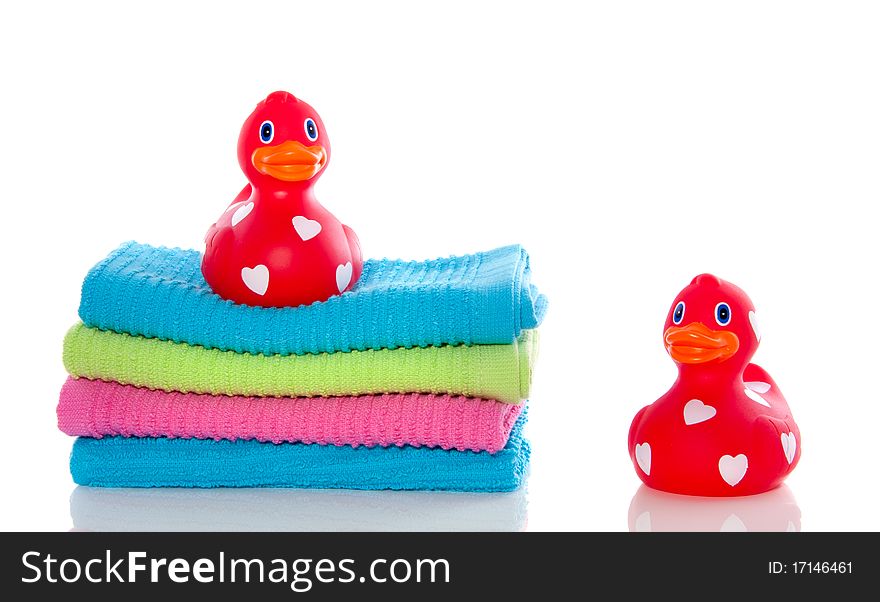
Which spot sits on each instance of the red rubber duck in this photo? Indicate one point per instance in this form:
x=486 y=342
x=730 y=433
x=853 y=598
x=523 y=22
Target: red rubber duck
x=275 y=245
x=724 y=427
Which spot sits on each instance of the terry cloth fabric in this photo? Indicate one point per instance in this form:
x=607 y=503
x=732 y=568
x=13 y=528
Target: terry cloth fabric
x=94 y=408
x=500 y=372
x=485 y=298
x=148 y=462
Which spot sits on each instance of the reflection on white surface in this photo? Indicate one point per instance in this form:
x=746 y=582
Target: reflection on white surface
x=100 y=509
x=653 y=511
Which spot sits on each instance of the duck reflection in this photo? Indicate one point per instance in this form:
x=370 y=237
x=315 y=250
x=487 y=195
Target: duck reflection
x=653 y=511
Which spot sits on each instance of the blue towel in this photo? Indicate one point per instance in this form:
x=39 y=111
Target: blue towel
x=485 y=298
x=147 y=462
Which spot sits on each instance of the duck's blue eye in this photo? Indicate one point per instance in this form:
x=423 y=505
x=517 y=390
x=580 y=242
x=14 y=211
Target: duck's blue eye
x=267 y=132
x=678 y=314
x=722 y=314
x=311 y=129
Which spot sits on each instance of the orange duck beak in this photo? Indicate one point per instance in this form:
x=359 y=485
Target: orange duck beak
x=698 y=344
x=290 y=161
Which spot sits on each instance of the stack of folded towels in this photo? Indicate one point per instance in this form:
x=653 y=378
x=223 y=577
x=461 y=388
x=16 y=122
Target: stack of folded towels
x=416 y=379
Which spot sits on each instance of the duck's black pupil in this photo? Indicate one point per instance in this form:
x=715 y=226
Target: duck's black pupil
x=723 y=313
x=312 y=132
x=267 y=132
x=678 y=311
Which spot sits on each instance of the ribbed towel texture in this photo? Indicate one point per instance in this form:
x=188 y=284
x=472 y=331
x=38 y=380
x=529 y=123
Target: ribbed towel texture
x=500 y=372
x=158 y=462
x=94 y=408
x=414 y=380
x=484 y=298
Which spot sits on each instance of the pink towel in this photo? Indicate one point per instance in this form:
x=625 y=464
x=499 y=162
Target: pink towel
x=94 y=408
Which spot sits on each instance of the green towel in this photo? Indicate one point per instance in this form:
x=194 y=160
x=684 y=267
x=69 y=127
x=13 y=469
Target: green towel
x=501 y=372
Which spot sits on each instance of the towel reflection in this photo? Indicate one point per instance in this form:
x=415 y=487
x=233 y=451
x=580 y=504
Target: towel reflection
x=653 y=511
x=100 y=509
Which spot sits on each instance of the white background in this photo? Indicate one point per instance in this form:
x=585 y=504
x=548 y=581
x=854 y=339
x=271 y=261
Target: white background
x=628 y=146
